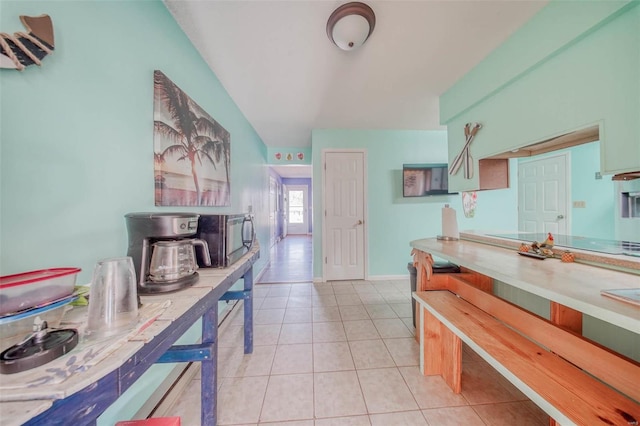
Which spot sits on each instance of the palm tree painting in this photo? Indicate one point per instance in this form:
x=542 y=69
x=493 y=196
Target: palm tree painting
x=192 y=152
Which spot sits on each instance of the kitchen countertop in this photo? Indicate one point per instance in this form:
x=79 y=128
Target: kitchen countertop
x=575 y=285
x=618 y=262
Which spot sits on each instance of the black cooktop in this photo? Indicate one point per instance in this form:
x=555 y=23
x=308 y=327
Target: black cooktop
x=631 y=248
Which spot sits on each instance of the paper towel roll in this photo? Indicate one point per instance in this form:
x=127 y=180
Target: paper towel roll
x=449 y=223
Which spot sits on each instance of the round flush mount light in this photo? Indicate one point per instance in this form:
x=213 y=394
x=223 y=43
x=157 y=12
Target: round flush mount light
x=350 y=25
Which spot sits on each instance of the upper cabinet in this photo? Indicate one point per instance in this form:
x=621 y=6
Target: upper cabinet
x=570 y=75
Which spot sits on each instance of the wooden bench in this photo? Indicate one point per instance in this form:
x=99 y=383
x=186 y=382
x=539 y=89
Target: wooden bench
x=574 y=380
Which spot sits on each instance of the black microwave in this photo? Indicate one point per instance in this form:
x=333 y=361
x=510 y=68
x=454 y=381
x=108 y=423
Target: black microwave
x=229 y=237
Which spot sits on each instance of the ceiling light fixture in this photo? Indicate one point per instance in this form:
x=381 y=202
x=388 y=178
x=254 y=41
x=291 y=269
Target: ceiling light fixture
x=350 y=25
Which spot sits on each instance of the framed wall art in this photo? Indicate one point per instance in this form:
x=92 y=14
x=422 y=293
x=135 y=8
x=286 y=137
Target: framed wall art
x=192 y=151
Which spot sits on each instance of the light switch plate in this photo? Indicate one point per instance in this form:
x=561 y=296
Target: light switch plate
x=579 y=204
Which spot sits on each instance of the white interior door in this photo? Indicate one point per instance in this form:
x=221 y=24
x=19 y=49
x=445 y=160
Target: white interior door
x=297 y=209
x=344 y=215
x=543 y=186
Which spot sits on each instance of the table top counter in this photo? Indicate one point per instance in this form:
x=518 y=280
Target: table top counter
x=575 y=285
x=163 y=317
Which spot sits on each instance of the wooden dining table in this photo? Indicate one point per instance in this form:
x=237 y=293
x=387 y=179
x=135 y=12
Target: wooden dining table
x=572 y=289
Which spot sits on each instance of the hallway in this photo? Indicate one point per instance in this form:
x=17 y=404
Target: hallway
x=291 y=261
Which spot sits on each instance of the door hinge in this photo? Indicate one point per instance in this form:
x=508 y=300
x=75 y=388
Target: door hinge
x=325 y=259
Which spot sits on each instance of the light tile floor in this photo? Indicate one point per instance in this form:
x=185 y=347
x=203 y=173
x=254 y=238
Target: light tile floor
x=343 y=354
x=290 y=260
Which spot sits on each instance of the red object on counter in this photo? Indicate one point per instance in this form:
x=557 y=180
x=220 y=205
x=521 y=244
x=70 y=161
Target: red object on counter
x=158 y=421
x=7 y=281
x=31 y=289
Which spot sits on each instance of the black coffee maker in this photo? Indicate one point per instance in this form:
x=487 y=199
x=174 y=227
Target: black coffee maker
x=163 y=250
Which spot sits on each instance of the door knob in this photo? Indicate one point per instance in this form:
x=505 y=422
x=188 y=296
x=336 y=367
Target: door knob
x=360 y=222
x=560 y=216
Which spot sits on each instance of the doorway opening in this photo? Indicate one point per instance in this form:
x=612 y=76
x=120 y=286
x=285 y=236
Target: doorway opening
x=297 y=212
x=291 y=245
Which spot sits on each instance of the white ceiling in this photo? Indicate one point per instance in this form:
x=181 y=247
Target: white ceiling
x=293 y=171
x=276 y=62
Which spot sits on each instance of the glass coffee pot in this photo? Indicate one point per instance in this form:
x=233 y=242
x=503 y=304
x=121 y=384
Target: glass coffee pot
x=173 y=260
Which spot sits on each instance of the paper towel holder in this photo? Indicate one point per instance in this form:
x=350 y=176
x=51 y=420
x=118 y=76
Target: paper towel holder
x=451 y=215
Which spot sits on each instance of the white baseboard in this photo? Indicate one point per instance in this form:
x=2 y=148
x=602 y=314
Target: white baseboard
x=388 y=277
x=372 y=278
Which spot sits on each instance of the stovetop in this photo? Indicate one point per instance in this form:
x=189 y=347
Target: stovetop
x=630 y=248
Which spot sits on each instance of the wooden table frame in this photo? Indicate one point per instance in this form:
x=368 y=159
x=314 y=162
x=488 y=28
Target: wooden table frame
x=85 y=406
x=572 y=289
x=574 y=285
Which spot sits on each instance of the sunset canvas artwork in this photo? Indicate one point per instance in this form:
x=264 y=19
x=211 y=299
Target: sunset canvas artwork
x=192 y=152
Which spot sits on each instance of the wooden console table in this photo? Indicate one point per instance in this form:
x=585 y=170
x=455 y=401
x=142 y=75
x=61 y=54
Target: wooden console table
x=81 y=398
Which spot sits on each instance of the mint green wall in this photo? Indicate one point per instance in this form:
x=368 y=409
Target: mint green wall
x=76 y=140
x=77 y=132
x=597 y=219
x=555 y=27
x=584 y=72
x=393 y=221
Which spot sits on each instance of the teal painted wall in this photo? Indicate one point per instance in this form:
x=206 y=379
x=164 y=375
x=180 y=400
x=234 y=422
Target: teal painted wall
x=597 y=219
x=76 y=145
x=556 y=27
x=590 y=79
x=77 y=132
x=394 y=221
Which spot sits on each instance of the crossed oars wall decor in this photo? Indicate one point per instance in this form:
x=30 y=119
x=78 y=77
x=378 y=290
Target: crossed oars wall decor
x=20 y=50
x=464 y=157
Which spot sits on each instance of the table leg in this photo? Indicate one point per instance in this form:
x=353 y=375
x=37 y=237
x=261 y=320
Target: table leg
x=441 y=351
x=209 y=367
x=248 y=311
x=566 y=317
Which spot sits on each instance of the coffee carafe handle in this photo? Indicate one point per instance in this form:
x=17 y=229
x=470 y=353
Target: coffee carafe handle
x=205 y=250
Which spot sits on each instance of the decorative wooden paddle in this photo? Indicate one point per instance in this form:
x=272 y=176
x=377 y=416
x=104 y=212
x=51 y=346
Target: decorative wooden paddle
x=465 y=156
